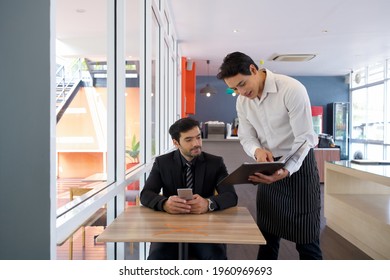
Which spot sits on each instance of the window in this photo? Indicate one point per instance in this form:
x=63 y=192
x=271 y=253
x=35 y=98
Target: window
x=368 y=113
x=117 y=119
x=134 y=94
x=155 y=84
x=81 y=98
x=82 y=119
x=370 y=104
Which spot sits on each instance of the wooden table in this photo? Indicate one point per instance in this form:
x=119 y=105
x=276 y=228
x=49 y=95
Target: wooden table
x=141 y=224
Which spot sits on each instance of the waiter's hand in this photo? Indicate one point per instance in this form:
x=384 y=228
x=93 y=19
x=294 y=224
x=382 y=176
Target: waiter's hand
x=199 y=205
x=176 y=205
x=268 y=179
x=262 y=155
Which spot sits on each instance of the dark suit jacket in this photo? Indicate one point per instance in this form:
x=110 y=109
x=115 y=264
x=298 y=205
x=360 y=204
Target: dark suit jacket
x=167 y=175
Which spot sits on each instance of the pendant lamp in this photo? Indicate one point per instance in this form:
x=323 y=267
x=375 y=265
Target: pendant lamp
x=208 y=90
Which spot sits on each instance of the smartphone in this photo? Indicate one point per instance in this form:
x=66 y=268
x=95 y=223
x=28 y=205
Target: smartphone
x=185 y=193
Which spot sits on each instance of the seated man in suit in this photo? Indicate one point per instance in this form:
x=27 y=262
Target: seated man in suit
x=169 y=173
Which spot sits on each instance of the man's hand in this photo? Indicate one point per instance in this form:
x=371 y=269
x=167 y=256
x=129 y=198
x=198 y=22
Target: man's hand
x=199 y=205
x=265 y=179
x=176 y=205
x=262 y=155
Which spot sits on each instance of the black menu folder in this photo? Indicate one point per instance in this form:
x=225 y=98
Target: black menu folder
x=241 y=174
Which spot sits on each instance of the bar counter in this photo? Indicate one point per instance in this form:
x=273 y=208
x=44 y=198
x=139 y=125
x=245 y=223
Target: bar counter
x=357 y=205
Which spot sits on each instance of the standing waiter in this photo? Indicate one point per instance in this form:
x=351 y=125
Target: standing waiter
x=275 y=117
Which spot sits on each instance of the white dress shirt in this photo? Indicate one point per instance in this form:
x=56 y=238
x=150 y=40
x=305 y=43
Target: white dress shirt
x=279 y=121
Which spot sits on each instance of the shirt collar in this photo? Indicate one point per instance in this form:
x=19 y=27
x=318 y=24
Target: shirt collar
x=269 y=85
x=184 y=161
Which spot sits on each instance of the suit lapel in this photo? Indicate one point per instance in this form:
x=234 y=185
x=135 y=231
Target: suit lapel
x=200 y=170
x=177 y=174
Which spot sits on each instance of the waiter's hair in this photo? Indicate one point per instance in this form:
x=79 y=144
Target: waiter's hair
x=182 y=125
x=235 y=63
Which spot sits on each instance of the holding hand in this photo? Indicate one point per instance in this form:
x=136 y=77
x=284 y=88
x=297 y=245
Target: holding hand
x=199 y=205
x=265 y=179
x=177 y=205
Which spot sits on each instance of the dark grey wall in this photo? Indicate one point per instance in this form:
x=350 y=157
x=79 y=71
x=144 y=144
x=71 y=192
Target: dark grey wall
x=25 y=129
x=218 y=107
x=325 y=90
x=222 y=106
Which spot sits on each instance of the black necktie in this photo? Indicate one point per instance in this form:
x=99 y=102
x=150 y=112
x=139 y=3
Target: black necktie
x=189 y=176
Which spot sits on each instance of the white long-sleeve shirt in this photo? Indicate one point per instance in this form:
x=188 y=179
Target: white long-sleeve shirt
x=279 y=121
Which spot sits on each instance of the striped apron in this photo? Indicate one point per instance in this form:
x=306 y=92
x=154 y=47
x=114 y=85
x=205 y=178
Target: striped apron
x=291 y=208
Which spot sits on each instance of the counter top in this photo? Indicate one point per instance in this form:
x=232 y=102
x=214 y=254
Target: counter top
x=378 y=170
x=357 y=205
x=221 y=139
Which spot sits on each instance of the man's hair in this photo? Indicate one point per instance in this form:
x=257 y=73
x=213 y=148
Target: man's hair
x=182 y=125
x=235 y=63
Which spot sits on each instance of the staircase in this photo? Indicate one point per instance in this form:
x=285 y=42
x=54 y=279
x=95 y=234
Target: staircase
x=68 y=82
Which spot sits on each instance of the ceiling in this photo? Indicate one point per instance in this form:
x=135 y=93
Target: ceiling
x=343 y=34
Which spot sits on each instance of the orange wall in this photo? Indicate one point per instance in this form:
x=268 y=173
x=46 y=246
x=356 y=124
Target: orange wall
x=80 y=160
x=188 y=91
x=79 y=165
x=132 y=115
x=79 y=124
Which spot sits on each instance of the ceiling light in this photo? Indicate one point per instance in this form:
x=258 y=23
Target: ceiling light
x=293 y=57
x=208 y=90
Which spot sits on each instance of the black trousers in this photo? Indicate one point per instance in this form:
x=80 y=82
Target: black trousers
x=307 y=251
x=196 y=251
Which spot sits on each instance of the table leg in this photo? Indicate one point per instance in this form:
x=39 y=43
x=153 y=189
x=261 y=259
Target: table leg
x=183 y=251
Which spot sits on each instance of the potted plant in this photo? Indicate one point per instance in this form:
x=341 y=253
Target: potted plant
x=133 y=151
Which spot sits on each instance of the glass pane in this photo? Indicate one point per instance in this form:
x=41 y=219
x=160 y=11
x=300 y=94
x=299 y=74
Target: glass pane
x=375 y=152
x=388 y=68
x=172 y=99
x=132 y=199
x=375 y=73
x=387 y=115
x=359 y=113
x=82 y=244
x=81 y=117
x=155 y=85
x=133 y=77
x=375 y=115
x=368 y=113
x=81 y=97
x=357 y=151
x=167 y=97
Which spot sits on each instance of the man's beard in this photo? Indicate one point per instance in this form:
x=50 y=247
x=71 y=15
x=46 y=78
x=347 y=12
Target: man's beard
x=193 y=155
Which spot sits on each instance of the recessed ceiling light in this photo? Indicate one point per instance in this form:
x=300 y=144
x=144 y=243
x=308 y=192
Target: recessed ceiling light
x=81 y=11
x=235 y=31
